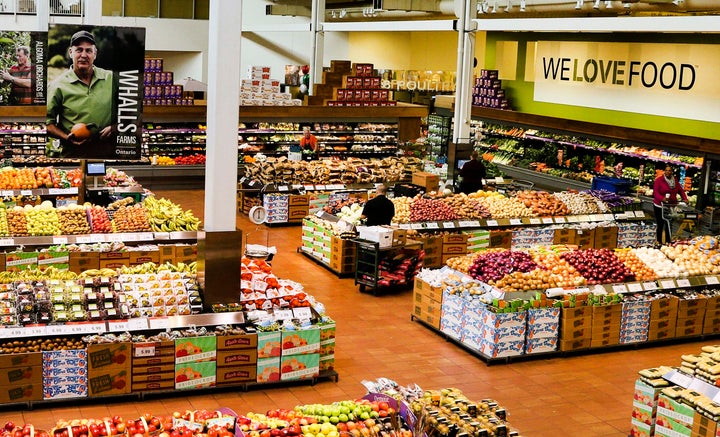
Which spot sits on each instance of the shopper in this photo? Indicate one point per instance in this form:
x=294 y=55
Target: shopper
x=82 y=94
x=379 y=210
x=665 y=191
x=308 y=142
x=20 y=77
x=472 y=172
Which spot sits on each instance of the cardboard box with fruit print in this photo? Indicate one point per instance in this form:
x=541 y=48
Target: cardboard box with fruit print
x=268 y=344
x=306 y=341
x=52 y=258
x=108 y=382
x=268 y=369
x=301 y=366
x=195 y=349
x=109 y=368
x=20 y=393
x=19 y=261
x=195 y=375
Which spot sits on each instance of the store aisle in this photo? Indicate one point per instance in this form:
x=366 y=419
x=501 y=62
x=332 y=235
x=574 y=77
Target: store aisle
x=581 y=395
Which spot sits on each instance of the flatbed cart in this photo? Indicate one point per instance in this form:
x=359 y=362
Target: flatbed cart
x=681 y=220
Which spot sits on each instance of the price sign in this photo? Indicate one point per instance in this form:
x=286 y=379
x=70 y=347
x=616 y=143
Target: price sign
x=7 y=193
x=405 y=226
x=83 y=239
x=114 y=238
x=711 y=280
x=635 y=287
x=16 y=332
x=432 y=225
x=667 y=283
x=620 y=288
x=283 y=188
x=681 y=379
x=302 y=313
x=54 y=191
x=131 y=237
x=138 y=324
x=309 y=187
x=683 y=283
x=573 y=219
x=547 y=220
x=464 y=223
x=159 y=323
x=320 y=187
x=283 y=314
x=97 y=238
x=474 y=223
x=60 y=240
x=535 y=221
x=26 y=192
x=120 y=326
x=144 y=350
x=320 y=213
x=36 y=331
x=96 y=328
x=57 y=330
x=448 y=225
x=608 y=217
x=516 y=222
x=145 y=236
x=492 y=222
x=639 y=214
x=7 y=241
x=650 y=285
x=242 y=180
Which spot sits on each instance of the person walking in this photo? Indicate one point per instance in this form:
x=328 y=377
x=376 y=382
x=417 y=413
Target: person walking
x=666 y=188
x=472 y=172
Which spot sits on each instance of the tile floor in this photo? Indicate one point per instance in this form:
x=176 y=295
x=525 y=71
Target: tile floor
x=577 y=395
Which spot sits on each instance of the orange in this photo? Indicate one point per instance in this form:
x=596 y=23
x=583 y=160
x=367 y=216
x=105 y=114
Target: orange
x=80 y=131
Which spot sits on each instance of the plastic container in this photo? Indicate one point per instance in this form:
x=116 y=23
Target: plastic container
x=614 y=185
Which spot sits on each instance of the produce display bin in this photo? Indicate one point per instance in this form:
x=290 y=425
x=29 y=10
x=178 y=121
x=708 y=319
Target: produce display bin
x=615 y=185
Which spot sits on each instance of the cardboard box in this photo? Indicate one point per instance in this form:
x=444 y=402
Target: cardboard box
x=585 y=238
x=564 y=236
x=571 y=333
x=56 y=259
x=22 y=375
x=501 y=239
x=236 y=374
x=298 y=200
x=661 y=329
x=191 y=375
x=429 y=181
x=452 y=238
x=268 y=369
x=704 y=426
x=21 y=360
x=688 y=308
x=423 y=290
x=167 y=253
x=268 y=345
x=575 y=344
x=82 y=264
x=455 y=249
x=685 y=329
x=195 y=349
x=306 y=341
x=576 y=312
x=152 y=369
x=298 y=213
x=20 y=261
x=711 y=323
x=376 y=234
x=20 y=393
x=114 y=263
x=167 y=384
x=240 y=341
x=108 y=355
x=236 y=357
x=665 y=308
x=185 y=253
x=114 y=255
x=144 y=256
x=606 y=237
x=109 y=381
x=302 y=366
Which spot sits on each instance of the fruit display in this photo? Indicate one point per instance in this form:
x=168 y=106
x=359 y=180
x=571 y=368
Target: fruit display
x=506 y=207
x=689 y=259
x=163 y=160
x=42 y=219
x=562 y=273
x=463 y=206
x=656 y=260
x=542 y=203
x=196 y=159
x=4 y=228
x=17 y=178
x=402 y=209
x=493 y=266
x=73 y=220
x=44 y=177
x=261 y=289
x=167 y=216
x=118 y=178
x=641 y=271
x=40 y=344
x=423 y=209
x=99 y=219
x=581 y=203
x=131 y=219
x=599 y=266
x=336 y=206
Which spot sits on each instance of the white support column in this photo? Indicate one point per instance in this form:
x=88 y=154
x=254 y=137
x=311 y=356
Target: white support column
x=318 y=42
x=463 y=80
x=222 y=115
x=92 y=14
x=42 y=13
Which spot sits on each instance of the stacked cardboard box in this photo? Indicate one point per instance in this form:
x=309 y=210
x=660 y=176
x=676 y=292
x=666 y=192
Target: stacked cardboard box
x=259 y=89
x=300 y=357
x=478 y=240
x=452 y=314
x=585 y=238
x=65 y=374
x=159 y=87
x=298 y=207
x=236 y=359
x=674 y=417
x=185 y=253
x=114 y=260
x=432 y=245
x=488 y=91
x=347 y=84
x=663 y=318
x=20 y=261
x=143 y=256
x=454 y=245
x=429 y=181
x=635 y=322
x=645 y=403
x=81 y=261
x=606 y=237
x=501 y=239
x=58 y=259
x=277 y=207
x=493 y=334
x=153 y=366
x=327 y=346
x=525 y=238
x=606 y=321
x=269 y=350
x=343 y=254
x=21 y=377
x=109 y=368
x=195 y=362
x=576 y=325
x=711 y=324
x=318 y=241
x=564 y=236
x=427 y=303
x=690 y=317
x=543 y=329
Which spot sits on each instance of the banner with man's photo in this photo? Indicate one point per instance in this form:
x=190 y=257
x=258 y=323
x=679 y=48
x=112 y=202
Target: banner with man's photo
x=22 y=68
x=94 y=91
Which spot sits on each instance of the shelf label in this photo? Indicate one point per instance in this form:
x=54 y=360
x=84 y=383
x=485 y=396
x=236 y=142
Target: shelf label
x=283 y=314
x=54 y=191
x=650 y=285
x=583 y=218
x=36 y=331
x=547 y=220
x=159 y=323
x=7 y=193
x=242 y=180
x=417 y=225
x=609 y=217
x=80 y=239
x=560 y=220
x=7 y=241
x=97 y=238
x=302 y=313
x=114 y=238
x=118 y=326
x=432 y=225
x=138 y=324
x=573 y=219
x=145 y=236
x=405 y=226
x=144 y=350
x=283 y=188
x=635 y=287
x=26 y=192
x=492 y=223
x=620 y=288
x=297 y=187
x=679 y=378
x=319 y=187
x=309 y=187
x=535 y=221
x=639 y=214
x=448 y=225
x=667 y=283
x=516 y=221
x=711 y=280
x=130 y=237
x=57 y=330
x=60 y=240
x=683 y=283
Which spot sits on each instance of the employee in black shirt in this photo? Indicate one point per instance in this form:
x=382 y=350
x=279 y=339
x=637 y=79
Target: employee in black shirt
x=473 y=173
x=379 y=210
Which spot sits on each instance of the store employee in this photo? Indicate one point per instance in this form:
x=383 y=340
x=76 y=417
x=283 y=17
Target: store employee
x=379 y=210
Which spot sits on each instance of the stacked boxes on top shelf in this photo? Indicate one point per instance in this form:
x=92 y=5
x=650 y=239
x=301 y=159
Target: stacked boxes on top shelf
x=195 y=362
x=236 y=359
x=159 y=86
x=352 y=85
x=259 y=89
x=488 y=91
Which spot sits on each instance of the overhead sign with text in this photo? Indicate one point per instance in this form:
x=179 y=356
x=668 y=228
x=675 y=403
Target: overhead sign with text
x=672 y=80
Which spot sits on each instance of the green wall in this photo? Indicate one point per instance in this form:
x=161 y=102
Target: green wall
x=521 y=92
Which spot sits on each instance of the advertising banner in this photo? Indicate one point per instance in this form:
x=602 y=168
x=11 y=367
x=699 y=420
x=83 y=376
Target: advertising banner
x=94 y=92
x=22 y=68
x=673 y=80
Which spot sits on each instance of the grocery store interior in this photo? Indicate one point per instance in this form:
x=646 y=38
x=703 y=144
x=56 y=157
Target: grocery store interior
x=224 y=269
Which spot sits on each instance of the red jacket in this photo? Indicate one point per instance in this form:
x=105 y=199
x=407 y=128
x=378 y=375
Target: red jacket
x=661 y=189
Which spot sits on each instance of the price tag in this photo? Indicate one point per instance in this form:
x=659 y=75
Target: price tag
x=138 y=324
x=609 y=217
x=448 y=225
x=120 y=326
x=131 y=237
x=319 y=187
x=36 y=331
x=26 y=192
x=114 y=238
x=639 y=214
x=309 y=187
x=7 y=193
x=560 y=220
x=432 y=225
x=620 y=288
x=667 y=283
x=650 y=285
x=320 y=213
x=547 y=220
x=83 y=239
x=283 y=314
x=464 y=223
x=516 y=221
x=711 y=280
x=573 y=219
x=54 y=191
x=635 y=287
x=302 y=313
x=583 y=218
x=417 y=225
x=405 y=226
x=7 y=241
x=96 y=328
x=492 y=223
x=283 y=188
x=716 y=398
x=159 y=323
x=682 y=379
x=535 y=221
x=4 y=333
x=683 y=283
x=97 y=238
x=57 y=330
x=16 y=332
x=242 y=180
x=499 y=180
x=144 y=350
x=474 y=223
x=60 y=240
x=145 y=236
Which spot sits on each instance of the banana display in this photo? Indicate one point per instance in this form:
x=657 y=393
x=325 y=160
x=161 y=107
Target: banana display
x=36 y=274
x=166 y=216
x=151 y=267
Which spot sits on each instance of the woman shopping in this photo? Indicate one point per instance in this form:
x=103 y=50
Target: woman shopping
x=665 y=191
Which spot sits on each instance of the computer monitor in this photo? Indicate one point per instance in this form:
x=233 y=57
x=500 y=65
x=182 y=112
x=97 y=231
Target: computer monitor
x=95 y=169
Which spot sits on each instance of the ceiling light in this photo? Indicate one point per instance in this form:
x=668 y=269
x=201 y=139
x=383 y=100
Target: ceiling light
x=508 y=6
x=608 y=5
x=596 y=5
x=579 y=4
x=522 y=5
x=494 y=9
x=343 y=13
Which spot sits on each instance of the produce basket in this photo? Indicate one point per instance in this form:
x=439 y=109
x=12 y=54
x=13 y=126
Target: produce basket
x=615 y=185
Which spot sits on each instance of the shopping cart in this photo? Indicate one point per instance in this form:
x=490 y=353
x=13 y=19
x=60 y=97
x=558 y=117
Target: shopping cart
x=681 y=219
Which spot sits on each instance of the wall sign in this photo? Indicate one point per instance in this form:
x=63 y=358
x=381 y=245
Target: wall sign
x=674 y=80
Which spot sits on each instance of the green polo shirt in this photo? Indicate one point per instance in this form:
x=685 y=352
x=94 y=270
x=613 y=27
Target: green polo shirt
x=71 y=101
